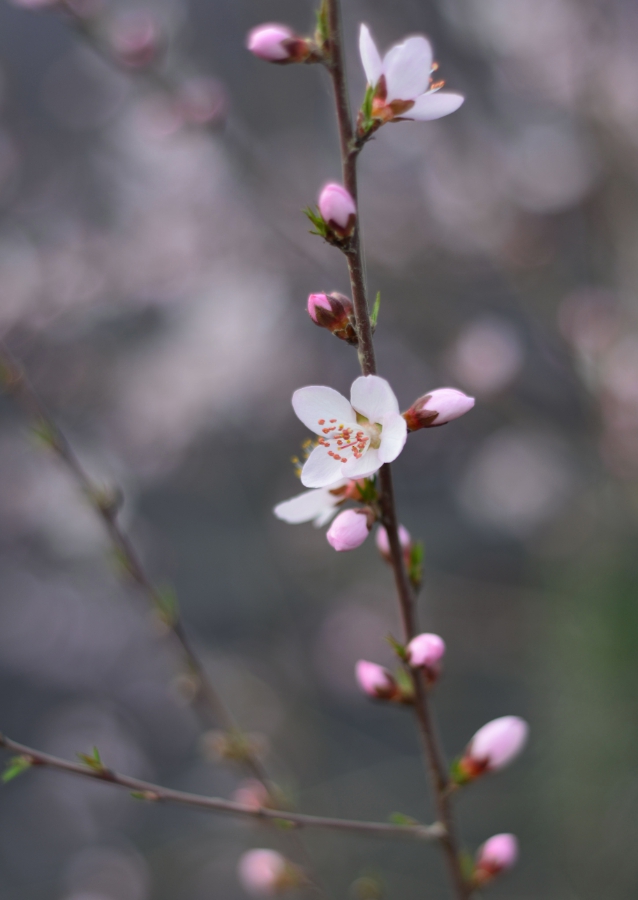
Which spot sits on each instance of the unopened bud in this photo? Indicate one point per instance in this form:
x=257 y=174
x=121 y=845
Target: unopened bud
x=383 y=544
x=338 y=209
x=496 y=855
x=493 y=747
x=376 y=681
x=135 y=38
x=334 y=312
x=437 y=408
x=278 y=44
x=426 y=651
x=349 y=530
x=252 y=793
x=266 y=873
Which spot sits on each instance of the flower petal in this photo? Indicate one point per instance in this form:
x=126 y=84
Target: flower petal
x=407 y=68
x=393 y=437
x=373 y=397
x=372 y=65
x=433 y=105
x=306 y=507
x=320 y=470
x=366 y=465
x=318 y=402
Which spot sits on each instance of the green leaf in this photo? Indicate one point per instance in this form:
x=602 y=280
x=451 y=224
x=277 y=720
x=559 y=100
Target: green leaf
x=398 y=648
x=167 y=605
x=323 y=29
x=45 y=434
x=375 y=311
x=415 y=568
x=15 y=767
x=398 y=818
x=317 y=221
x=457 y=775
x=92 y=760
x=366 y=106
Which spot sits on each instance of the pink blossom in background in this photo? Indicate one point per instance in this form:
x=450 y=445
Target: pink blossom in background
x=402 y=83
x=495 y=745
x=376 y=681
x=252 y=793
x=337 y=208
x=438 y=408
x=347 y=447
x=349 y=530
x=263 y=873
x=383 y=544
x=34 y=4
x=268 y=41
x=496 y=855
x=427 y=651
x=135 y=37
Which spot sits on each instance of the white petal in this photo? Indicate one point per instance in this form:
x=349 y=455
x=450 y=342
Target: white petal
x=372 y=65
x=305 y=507
x=373 y=397
x=434 y=105
x=318 y=402
x=320 y=469
x=393 y=437
x=326 y=516
x=366 y=465
x=407 y=69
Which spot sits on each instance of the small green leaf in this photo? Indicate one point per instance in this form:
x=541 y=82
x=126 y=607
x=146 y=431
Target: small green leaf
x=467 y=865
x=366 y=106
x=375 y=310
x=404 y=680
x=320 y=226
x=415 y=568
x=284 y=824
x=167 y=605
x=398 y=648
x=368 y=490
x=92 y=760
x=457 y=775
x=398 y=818
x=15 y=767
x=323 y=29
x=45 y=434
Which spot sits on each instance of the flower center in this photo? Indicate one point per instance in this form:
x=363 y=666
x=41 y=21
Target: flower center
x=345 y=441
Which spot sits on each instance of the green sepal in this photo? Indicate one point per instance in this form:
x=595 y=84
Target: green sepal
x=457 y=775
x=398 y=818
x=406 y=686
x=466 y=863
x=92 y=760
x=322 y=33
x=398 y=648
x=15 y=767
x=375 y=311
x=366 y=109
x=368 y=490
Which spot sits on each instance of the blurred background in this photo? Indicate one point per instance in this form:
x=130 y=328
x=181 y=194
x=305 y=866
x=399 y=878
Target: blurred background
x=154 y=266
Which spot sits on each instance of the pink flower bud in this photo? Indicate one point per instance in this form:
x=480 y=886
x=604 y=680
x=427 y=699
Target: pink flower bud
x=337 y=209
x=265 y=873
x=426 y=651
x=276 y=43
x=437 y=408
x=252 y=793
x=494 y=746
x=383 y=544
x=349 y=530
x=334 y=312
x=135 y=37
x=375 y=681
x=496 y=855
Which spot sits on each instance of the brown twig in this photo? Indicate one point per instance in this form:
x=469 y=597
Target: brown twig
x=432 y=749
x=106 y=505
x=145 y=790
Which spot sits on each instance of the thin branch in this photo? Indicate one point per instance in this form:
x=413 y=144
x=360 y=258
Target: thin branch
x=145 y=790
x=106 y=506
x=432 y=749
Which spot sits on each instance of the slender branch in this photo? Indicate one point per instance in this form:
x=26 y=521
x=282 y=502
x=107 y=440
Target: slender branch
x=432 y=749
x=209 y=704
x=145 y=790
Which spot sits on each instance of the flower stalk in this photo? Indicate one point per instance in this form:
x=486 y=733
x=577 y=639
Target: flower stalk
x=350 y=149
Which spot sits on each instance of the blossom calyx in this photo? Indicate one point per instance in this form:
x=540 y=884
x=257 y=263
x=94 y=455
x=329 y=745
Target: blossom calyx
x=426 y=651
x=437 y=408
x=279 y=44
x=350 y=529
x=493 y=747
x=496 y=855
x=336 y=313
x=266 y=873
